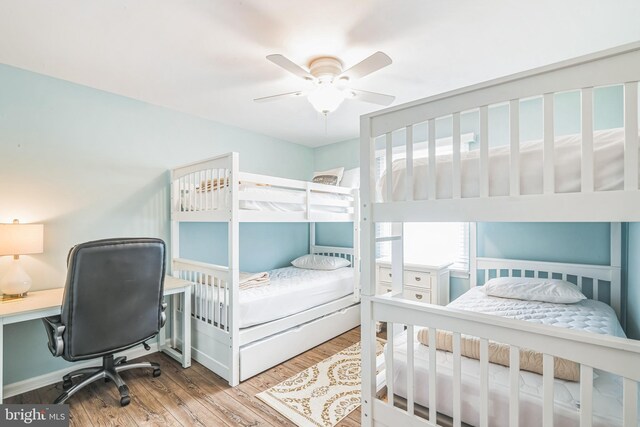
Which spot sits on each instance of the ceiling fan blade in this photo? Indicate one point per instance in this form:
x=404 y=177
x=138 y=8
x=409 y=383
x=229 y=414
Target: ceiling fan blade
x=373 y=63
x=372 y=97
x=290 y=66
x=280 y=96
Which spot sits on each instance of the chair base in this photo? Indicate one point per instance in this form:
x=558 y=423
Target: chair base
x=110 y=371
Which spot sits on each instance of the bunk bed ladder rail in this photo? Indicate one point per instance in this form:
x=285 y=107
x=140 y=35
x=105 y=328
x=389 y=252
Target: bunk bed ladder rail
x=592 y=351
x=621 y=67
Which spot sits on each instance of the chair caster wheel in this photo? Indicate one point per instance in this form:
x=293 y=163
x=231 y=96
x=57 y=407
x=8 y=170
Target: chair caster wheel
x=156 y=373
x=67 y=384
x=124 y=395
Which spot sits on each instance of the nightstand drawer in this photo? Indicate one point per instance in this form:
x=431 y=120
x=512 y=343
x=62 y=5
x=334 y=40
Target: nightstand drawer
x=384 y=274
x=417 y=278
x=383 y=288
x=416 y=294
x=412 y=278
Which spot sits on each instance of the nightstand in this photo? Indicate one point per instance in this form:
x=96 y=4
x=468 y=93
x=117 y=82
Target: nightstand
x=421 y=282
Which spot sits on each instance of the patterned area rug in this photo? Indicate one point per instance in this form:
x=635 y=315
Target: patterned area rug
x=323 y=394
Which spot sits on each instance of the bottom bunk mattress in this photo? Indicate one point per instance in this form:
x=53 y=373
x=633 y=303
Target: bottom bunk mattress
x=293 y=290
x=586 y=315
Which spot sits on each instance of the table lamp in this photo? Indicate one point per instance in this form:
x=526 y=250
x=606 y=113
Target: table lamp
x=19 y=239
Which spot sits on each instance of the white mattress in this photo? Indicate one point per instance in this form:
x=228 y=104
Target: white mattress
x=293 y=290
x=608 y=169
x=289 y=207
x=187 y=204
x=587 y=315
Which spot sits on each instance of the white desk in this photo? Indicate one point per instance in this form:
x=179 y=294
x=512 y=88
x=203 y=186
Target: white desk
x=39 y=304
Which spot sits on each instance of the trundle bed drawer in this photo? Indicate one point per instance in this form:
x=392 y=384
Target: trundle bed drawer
x=268 y=352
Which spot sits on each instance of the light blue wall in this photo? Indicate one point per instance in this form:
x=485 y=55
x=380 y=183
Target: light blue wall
x=632 y=278
x=343 y=153
x=263 y=246
x=90 y=164
x=579 y=243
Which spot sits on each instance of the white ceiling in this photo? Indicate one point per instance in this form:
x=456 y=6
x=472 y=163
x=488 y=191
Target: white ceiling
x=207 y=57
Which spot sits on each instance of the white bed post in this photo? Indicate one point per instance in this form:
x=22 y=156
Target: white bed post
x=175 y=253
x=473 y=254
x=368 y=251
x=234 y=272
x=355 y=260
x=312 y=237
x=616 y=261
x=397 y=264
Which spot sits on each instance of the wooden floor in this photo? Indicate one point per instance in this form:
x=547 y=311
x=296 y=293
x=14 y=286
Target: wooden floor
x=188 y=397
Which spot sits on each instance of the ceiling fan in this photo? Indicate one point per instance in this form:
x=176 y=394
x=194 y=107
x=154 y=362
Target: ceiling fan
x=332 y=85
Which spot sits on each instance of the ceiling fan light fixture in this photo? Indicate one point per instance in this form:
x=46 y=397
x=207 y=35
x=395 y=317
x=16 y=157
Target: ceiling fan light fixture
x=326 y=98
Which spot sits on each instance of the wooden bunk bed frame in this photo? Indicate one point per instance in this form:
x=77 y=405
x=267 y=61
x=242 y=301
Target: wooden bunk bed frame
x=218 y=341
x=620 y=65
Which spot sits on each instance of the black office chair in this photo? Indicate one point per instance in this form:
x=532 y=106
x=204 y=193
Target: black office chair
x=112 y=301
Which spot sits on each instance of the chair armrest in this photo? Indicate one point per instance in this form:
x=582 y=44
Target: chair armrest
x=163 y=315
x=54 y=329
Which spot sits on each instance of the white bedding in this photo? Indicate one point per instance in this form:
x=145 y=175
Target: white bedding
x=608 y=169
x=587 y=315
x=192 y=199
x=293 y=290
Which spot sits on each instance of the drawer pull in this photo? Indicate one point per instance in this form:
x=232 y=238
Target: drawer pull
x=390 y=274
x=419 y=296
x=418 y=278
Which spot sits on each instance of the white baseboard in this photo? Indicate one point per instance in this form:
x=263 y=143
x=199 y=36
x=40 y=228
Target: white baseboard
x=29 y=384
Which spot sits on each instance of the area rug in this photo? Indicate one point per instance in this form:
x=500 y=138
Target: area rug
x=323 y=394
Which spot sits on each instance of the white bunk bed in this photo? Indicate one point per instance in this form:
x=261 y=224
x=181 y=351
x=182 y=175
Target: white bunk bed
x=442 y=189
x=240 y=333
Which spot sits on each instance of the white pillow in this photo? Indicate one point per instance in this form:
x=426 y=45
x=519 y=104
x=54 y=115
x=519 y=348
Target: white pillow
x=320 y=262
x=351 y=178
x=534 y=289
x=328 y=177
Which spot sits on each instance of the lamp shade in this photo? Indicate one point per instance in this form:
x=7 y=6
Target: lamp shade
x=21 y=239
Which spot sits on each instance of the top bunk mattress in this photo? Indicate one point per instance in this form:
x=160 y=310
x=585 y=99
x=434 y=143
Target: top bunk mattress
x=293 y=290
x=608 y=154
x=253 y=199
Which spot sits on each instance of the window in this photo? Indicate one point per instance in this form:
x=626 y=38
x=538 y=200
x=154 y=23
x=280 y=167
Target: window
x=430 y=243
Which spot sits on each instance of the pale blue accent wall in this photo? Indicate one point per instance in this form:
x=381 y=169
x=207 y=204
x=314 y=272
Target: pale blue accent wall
x=579 y=243
x=90 y=164
x=343 y=153
x=334 y=234
x=263 y=246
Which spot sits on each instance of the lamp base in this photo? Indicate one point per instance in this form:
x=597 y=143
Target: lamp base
x=9 y=298
x=16 y=281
